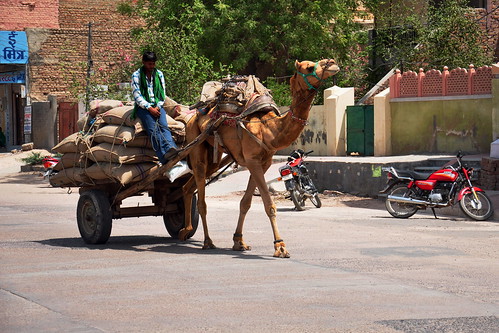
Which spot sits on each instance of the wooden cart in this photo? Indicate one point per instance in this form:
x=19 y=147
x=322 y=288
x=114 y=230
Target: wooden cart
x=99 y=204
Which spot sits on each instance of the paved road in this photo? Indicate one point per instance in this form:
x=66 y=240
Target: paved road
x=353 y=268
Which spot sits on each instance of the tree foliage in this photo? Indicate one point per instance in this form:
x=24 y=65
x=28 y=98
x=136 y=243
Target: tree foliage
x=171 y=30
x=200 y=40
x=413 y=34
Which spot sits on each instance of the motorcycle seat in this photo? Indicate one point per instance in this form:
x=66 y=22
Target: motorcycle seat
x=413 y=174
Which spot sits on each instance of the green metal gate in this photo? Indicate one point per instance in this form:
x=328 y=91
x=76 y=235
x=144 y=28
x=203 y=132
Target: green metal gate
x=360 y=130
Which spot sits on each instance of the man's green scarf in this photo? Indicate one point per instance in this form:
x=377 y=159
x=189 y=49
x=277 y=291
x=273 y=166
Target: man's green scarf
x=157 y=88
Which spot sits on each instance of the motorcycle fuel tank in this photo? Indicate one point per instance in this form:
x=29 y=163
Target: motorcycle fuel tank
x=425 y=184
x=444 y=175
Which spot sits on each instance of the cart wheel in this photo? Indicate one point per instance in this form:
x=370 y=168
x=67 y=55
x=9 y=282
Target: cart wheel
x=94 y=217
x=174 y=222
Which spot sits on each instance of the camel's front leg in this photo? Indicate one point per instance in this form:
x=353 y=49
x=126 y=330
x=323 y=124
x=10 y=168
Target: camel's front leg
x=257 y=172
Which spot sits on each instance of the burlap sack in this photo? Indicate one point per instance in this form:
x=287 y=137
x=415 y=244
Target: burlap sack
x=94 y=125
x=114 y=134
x=170 y=107
x=81 y=123
x=185 y=114
x=101 y=106
x=99 y=171
x=69 y=177
x=107 y=152
x=70 y=160
x=209 y=90
x=141 y=140
x=72 y=144
x=125 y=174
x=120 y=116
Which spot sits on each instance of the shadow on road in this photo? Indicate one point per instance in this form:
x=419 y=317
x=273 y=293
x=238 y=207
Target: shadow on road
x=145 y=243
x=24 y=178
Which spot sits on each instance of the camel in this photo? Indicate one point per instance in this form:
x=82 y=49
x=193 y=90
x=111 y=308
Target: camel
x=253 y=148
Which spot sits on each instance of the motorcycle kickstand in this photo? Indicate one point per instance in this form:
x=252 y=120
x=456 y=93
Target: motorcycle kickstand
x=434 y=214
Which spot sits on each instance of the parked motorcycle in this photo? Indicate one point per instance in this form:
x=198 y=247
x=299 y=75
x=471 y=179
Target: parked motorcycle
x=409 y=191
x=49 y=162
x=298 y=182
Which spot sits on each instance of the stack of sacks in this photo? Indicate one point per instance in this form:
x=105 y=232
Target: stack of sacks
x=114 y=148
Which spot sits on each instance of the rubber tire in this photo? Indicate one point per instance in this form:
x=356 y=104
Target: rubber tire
x=297 y=199
x=174 y=222
x=316 y=200
x=400 y=189
x=94 y=217
x=484 y=199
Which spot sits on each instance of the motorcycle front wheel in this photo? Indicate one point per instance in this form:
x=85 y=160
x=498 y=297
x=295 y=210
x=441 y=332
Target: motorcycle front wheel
x=478 y=210
x=316 y=200
x=399 y=209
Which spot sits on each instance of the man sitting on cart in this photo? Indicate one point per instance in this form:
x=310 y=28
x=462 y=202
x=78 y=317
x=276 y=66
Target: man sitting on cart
x=148 y=86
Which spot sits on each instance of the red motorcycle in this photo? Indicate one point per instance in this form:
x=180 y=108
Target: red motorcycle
x=409 y=191
x=49 y=163
x=298 y=182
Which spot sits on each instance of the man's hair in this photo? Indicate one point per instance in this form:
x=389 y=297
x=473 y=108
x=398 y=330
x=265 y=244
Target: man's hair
x=149 y=56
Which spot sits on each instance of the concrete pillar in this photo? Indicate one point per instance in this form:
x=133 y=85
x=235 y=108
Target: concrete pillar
x=495 y=102
x=336 y=100
x=44 y=123
x=382 y=124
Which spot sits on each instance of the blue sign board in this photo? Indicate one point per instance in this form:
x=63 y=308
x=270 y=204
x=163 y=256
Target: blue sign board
x=13 y=47
x=13 y=77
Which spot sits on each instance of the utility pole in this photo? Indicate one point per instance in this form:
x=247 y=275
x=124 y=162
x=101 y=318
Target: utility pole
x=89 y=67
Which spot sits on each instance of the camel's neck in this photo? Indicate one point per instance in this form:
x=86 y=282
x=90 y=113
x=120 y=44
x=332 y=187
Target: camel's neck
x=293 y=122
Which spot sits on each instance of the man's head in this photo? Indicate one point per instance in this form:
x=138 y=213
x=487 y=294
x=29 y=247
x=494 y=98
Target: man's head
x=149 y=60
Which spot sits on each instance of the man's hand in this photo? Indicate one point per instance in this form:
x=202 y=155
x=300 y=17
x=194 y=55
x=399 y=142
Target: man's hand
x=154 y=111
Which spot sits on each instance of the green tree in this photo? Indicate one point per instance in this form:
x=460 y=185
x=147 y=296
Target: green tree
x=199 y=40
x=266 y=36
x=413 y=34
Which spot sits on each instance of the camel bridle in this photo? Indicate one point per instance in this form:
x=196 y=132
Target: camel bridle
x=328 y=64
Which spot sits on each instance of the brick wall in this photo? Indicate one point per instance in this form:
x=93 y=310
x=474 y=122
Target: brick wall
x=20 y=14
x=58 y=57
x=77 y=13
x=490 y=26
x=61 y=60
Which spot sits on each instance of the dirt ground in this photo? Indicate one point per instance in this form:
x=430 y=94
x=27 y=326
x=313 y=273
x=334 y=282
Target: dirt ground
x=11 y=162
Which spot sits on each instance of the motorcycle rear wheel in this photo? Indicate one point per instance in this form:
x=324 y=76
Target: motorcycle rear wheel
x=398 y=209
x=297 y=198
x=480 y=210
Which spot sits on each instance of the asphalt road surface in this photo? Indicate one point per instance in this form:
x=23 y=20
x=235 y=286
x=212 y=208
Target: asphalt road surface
x=353 y=268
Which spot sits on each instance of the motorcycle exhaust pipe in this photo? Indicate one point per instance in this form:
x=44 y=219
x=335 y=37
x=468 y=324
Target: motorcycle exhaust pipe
x=414 y=201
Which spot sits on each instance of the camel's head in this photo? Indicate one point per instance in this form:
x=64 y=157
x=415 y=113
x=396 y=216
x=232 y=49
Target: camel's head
x=313 y=73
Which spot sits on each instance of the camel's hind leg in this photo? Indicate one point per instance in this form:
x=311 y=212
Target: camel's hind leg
x=244 y=207
x=188 y=192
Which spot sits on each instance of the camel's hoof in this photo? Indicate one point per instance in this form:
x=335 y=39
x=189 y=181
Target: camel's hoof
x=280 y=250
x=208 y=244
x=183 y=234
x=241 y=246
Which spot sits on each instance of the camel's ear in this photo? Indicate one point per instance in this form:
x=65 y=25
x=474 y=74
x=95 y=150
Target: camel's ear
x=297 y=64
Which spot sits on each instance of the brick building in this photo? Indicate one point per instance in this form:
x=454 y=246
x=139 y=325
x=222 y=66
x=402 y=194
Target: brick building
x=57 y=34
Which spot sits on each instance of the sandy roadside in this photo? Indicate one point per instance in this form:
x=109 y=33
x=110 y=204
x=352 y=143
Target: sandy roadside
x=11 y=162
